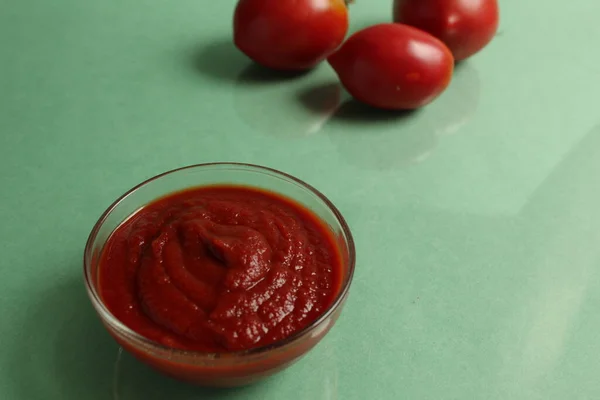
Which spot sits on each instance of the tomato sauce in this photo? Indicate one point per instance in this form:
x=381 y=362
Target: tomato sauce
x=219 y=269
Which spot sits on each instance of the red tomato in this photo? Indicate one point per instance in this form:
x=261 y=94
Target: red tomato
x=289 y=34
x=466 y=26
x=393 y=66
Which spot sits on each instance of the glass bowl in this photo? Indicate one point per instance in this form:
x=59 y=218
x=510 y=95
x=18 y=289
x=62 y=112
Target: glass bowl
x=228 y=368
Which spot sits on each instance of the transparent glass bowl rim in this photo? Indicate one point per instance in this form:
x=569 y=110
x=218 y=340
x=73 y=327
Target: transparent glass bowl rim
x=117 y=324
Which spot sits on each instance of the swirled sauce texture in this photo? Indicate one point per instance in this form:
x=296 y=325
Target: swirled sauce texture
x=220 y=268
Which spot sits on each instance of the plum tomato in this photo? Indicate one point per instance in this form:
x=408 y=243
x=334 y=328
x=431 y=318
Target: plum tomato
x=289 y=34
x=465 y=26
x=393 y=66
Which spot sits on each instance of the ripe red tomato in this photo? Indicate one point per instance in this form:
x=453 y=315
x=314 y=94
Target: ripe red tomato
x=465 y=26
x=393 y=66
x=289 y=34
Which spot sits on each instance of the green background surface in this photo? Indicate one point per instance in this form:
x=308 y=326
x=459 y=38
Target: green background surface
x=476 y=219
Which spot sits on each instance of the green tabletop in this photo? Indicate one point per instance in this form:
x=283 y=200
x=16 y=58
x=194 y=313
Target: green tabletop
x=476 y=219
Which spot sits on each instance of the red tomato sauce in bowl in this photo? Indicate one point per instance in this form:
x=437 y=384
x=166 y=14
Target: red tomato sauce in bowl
x=220 y=268
x=219 y=274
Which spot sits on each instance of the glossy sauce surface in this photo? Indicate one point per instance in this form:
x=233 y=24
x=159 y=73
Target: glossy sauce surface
x=220 y=268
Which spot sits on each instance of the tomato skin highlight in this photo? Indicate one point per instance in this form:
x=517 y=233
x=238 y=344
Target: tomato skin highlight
x=290 y=35
x=393 y=66
x=465 y=26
